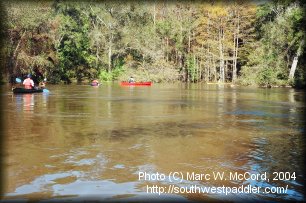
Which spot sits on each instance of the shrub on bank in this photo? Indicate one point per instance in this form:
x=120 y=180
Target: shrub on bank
x=157 y=72
x=262 y=77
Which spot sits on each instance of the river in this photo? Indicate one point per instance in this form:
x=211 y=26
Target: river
x=83 y=142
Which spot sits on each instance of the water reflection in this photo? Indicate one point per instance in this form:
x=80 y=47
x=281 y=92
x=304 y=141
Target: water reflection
x=92 y=142
x=26 y=102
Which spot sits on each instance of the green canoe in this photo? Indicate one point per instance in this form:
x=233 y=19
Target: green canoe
x=20 y=90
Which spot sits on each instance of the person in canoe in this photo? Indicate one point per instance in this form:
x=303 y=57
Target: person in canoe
x=28 y=82
x=95 y=83
x=131 y=80
x=42 y=84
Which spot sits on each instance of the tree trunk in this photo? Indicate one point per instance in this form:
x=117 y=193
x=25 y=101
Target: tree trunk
x=110 y=55
x=215 y=69
x=194 y=68
x=154 y=15
x=225 y=70
x=200 y=69
x=234 y=60
x=293 y=67
x=167 y=44
x=207 y=70
x=154 y=23
x=221 y=57
x=97 y=57
x=236 y=45
x=295 y=60
x=16 y=51
x=189 y=43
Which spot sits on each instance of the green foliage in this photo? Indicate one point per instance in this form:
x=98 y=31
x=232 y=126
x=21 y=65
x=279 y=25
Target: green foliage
x=159 y=71
x=75 y=59
x=28 y=43
x=280 y=41
x=105 y=76
x=115 y=73
x=299 y=80
x=248 y=76
x=156 y=41
x=27 y=15
x=266 y=76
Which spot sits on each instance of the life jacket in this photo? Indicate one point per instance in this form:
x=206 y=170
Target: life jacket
x=28 y=83
x=95 y=83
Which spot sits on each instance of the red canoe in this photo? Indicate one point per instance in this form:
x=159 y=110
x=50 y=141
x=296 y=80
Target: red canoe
x=136 y=83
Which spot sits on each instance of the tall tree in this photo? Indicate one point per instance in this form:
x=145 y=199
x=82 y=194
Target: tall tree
x=281 y=40
x=30 y=45
x=75 y=58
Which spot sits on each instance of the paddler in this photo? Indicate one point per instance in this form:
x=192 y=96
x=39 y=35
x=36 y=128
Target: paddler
x=95 y=82
x=28 y=82
x=42 y=84
x=131 y=80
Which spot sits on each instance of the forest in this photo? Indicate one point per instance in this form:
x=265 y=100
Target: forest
x=259 y=43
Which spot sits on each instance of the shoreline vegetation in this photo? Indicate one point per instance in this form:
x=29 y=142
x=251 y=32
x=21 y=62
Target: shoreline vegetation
x=241 y=43
x=87 y=82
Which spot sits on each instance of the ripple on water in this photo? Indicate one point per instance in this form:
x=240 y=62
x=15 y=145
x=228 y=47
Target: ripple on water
x=258 y=113
x=119 y=166
x=42 y=183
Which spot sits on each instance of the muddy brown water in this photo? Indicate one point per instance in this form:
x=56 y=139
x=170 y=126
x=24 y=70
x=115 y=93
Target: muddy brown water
x=88 y=142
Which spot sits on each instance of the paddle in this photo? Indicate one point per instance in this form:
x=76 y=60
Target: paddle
x=45 y=91
x=18 y=80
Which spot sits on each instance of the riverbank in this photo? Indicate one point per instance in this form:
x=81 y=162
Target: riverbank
x=88 y=82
